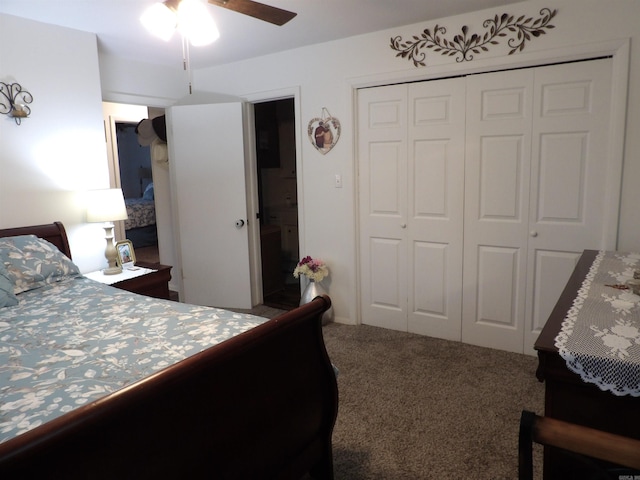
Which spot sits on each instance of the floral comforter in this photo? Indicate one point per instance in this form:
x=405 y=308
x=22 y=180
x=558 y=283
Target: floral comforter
x=72 y=342
x=141 y=213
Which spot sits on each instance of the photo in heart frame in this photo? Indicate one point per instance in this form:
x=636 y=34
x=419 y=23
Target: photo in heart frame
x=324 y=132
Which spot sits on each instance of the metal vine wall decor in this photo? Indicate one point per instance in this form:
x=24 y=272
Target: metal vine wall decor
x=463 y=46
x=14 y=100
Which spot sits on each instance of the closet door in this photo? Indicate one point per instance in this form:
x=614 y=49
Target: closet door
x=497 y=172
x=571 y=125
x=411 y=158
x=435 y=193
x=536 y=166
x=382 y=149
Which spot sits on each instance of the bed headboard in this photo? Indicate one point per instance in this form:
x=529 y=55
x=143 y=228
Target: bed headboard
x=52 y=232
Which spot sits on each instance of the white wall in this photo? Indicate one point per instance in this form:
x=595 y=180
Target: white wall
x=325 y=75
x=59 y=151
x=124 y=81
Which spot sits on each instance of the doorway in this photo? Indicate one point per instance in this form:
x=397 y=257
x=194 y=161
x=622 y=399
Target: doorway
x=278 y=201
x=136 y=181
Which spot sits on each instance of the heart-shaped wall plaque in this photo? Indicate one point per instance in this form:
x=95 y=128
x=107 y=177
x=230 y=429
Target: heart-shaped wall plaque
x=324 y=132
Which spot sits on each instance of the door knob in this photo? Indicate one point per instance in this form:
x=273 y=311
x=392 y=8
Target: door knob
x=239 y=223
x=533 y=233
x=403 y=225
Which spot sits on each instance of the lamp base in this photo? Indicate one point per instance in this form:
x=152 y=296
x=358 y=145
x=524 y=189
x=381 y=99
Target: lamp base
x=110 y=252
x=112 y=270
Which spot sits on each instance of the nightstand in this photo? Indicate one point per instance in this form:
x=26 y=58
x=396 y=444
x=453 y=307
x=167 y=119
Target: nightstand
x=152 y=279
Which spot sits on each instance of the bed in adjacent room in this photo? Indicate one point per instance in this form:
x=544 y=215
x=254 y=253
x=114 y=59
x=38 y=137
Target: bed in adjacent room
x=140 y=226
x=97 y=382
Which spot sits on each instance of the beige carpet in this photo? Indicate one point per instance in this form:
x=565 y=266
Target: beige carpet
x=414 y=407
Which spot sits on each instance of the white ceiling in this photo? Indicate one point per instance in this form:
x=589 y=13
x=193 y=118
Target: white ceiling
x=117 y=25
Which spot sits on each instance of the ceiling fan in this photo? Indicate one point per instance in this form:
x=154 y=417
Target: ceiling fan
x=267 y=13
x=193 y=20
x=196 y=26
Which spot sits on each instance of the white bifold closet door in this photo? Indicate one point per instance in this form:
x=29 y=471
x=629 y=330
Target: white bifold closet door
x=477 y=195
x=535 y=170
x=411 y=147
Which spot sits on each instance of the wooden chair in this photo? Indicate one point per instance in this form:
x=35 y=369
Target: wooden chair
x=587 y=443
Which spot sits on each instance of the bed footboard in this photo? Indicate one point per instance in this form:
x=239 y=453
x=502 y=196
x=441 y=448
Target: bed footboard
x=259 y=405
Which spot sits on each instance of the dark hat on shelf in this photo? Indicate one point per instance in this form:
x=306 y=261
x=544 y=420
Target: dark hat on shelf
x=150 y=129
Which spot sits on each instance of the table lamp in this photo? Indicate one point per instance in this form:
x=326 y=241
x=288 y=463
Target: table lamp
x=107 y=206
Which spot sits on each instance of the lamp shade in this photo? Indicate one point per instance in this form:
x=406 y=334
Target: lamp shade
x=106 y=205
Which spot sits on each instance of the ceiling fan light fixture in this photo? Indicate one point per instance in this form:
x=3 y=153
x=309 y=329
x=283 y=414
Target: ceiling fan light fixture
x=196 y=24
x=160 y=20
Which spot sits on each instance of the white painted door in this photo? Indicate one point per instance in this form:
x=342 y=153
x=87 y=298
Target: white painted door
x=497 y=166
x=411 y=157
x=207 y=161
x=535 y=193
x=569 y=163
x=435 y=195
x=382 y=146
x=534 y=186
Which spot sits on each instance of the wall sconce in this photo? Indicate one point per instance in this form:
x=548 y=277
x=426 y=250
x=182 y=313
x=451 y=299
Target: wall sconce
x=15 y=101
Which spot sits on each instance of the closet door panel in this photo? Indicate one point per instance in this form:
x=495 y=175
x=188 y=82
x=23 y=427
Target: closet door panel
x=386 y=273
x=552 y=270
x=501 y=183
x=497 y=182
x=497 y=296
x=429 y=279
x=385 y=169
x=429 y=180
x=382 y=126
x=569 y=168
x=562 y=171
x=435 y=206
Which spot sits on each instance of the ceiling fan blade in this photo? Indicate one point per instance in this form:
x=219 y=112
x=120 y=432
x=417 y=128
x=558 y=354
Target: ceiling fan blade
x=274 y=15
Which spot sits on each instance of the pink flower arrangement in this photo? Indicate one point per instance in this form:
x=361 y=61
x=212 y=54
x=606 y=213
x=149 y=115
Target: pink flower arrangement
x=314 y=270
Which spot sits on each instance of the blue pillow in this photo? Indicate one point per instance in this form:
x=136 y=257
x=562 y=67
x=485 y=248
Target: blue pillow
x=7 y=297
x=32 y=262
x=148 y=192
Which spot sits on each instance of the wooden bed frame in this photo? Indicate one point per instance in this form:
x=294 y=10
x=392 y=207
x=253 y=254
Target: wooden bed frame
x=259 y=405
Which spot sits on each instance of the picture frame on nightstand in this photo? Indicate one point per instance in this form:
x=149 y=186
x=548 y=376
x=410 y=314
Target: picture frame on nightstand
x=126 y=254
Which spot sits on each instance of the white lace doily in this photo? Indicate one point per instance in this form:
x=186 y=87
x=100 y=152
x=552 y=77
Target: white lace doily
x=600 y=336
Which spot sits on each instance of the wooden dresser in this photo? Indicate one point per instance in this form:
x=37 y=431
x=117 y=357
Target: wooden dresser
x=567 y=396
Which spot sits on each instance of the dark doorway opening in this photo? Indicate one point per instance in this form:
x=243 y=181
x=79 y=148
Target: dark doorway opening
x=278 y=201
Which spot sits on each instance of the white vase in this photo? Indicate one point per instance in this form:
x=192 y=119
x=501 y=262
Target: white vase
x=313 y=290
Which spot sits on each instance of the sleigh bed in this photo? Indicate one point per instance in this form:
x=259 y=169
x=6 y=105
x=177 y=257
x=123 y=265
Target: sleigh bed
x=152 y=388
